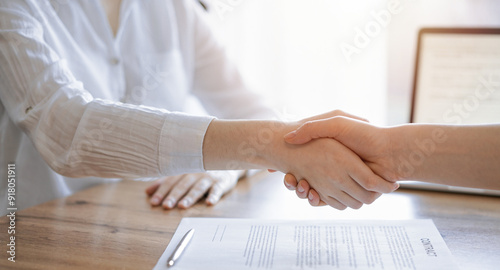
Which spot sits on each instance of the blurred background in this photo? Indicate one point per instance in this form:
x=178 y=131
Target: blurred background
x=312 y=56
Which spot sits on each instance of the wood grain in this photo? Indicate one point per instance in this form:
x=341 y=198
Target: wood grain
x=113 y=226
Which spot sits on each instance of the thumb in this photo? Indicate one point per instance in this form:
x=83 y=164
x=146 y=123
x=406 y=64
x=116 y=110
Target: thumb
x=311 y=130
x=339 y=128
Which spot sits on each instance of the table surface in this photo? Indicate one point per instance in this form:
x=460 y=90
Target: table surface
x=112 y=226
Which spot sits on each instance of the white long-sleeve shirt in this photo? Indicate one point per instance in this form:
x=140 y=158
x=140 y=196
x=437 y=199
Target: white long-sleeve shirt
x=76 y=101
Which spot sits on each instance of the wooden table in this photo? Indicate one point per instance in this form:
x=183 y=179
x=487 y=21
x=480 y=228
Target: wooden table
x=113 y=226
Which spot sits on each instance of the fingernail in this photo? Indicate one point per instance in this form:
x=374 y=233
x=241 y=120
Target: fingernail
x=300 y=189
x=186 y=202
x=290 y=187
x=169 y=203
x=291 y=135
x=211 y=200
x=310 y=197
x=396 y=186
x=155 y=201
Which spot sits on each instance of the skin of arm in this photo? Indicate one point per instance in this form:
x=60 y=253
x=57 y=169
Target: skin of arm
x=445 y=154
x=230 y=145
x=453 y=155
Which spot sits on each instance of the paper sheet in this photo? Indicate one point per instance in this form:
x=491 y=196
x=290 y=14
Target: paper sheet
x=220 y=243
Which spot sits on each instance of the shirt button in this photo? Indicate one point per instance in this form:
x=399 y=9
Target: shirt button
x=114 y=61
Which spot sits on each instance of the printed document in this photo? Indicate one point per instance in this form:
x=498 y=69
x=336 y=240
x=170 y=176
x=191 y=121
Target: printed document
x=221 y=243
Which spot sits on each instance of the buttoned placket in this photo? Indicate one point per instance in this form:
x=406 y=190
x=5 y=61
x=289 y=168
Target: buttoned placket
x=115 y=62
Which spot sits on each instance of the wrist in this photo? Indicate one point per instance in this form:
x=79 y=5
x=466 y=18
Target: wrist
x=413 y=147
x=276 y=150
x=240 y=144
x=399 y=152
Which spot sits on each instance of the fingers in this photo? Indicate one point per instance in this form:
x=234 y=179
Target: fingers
x=352 y=194
x=217 y=190
x=339 y=201
x=224 y=181
x=179 y=190
x=215 y=194
x=165 y=185
x=153 y=187
x=346 y=194
x=200 y=188
x=290 y=181
x=333 y=114
x=302 y=189
x=339 y=198
x=327 y=128
x=347 y=201
x=334 y=203
x=314 y=199
x=368 y=180
x=185 y=190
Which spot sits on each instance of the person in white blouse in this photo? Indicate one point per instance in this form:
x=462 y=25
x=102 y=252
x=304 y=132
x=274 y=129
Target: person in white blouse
x=91 y=95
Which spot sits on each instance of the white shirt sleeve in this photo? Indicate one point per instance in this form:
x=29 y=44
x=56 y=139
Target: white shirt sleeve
x=76 y=134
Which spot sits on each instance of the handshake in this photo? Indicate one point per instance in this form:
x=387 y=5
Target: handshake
x=358 y=157
x=366 y=161
x=338 y=159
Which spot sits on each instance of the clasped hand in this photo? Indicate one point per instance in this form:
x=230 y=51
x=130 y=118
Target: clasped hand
x=359 y=155
x=339 y=159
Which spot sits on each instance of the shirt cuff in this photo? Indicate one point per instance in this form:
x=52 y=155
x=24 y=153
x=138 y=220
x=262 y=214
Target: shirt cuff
x=181 y=143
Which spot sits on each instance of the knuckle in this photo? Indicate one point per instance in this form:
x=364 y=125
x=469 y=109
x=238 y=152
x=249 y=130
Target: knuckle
x=204 y=184
x=338 y=112
x=218 y=186
x=161 y=180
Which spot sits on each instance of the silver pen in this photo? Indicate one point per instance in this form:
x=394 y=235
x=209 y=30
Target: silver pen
x=180 y=248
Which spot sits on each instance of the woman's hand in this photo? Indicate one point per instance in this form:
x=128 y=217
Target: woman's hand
x=185 y=190
x=340 y=178
x=369 y=142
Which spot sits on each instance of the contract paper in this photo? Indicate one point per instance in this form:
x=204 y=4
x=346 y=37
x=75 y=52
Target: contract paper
x=221 y=243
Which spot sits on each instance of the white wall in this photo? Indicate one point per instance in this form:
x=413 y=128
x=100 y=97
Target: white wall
x=290 y=50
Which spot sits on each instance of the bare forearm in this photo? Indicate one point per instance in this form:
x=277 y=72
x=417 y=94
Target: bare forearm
x=461 y=156
x=241 y=144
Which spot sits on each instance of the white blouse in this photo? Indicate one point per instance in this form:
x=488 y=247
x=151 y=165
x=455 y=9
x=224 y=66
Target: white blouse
x=78 y=102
